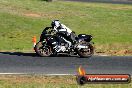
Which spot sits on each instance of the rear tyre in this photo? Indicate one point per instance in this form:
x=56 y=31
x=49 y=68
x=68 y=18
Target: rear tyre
x=43 y=50
x=85 y=52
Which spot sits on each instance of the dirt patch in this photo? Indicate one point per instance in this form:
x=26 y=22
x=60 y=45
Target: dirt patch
x=121 y=52
x=32 y=15
x=116 y=52
x=38 y=15
x=114 y=49
x=121 y=8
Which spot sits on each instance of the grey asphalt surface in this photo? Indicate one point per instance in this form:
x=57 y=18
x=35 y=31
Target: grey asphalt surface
x=106 y=1
x=31 y=64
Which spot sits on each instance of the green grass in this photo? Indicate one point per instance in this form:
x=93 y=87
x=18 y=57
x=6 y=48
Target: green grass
x=28 y=81
x=20 y=20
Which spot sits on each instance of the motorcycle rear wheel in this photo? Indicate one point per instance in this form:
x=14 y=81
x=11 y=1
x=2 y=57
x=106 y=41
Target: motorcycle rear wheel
x=85 y=52
x=43 y=50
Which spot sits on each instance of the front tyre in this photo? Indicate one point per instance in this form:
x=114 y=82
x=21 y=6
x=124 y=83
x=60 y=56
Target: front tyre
x=43 y=49
x=85 y=52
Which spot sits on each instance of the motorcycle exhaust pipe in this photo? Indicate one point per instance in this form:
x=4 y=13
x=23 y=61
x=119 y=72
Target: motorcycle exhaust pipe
x=82 y=46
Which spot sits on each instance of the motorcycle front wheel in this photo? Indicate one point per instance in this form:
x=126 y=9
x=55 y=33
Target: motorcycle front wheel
x=43 y=50
x=85 y=52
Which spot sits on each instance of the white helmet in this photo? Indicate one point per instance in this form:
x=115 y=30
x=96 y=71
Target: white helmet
x=56 y=24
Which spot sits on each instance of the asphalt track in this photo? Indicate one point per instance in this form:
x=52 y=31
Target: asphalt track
x=29 y=63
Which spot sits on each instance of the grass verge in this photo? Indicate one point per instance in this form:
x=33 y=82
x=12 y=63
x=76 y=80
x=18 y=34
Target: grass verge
x=110 y=24
x=34 y=81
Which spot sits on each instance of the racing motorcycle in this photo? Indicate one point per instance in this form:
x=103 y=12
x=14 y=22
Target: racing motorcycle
x=51 y=44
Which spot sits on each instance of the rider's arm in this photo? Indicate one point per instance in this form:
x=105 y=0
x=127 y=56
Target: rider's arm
x=67 y=29
x=45 y=29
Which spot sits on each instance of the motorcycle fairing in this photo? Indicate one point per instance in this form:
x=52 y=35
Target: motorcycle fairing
x=85 y=37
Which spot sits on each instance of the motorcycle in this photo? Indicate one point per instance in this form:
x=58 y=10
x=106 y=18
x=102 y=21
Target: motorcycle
x=51 y=44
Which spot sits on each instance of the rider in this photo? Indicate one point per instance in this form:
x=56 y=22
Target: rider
x=62 y=29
